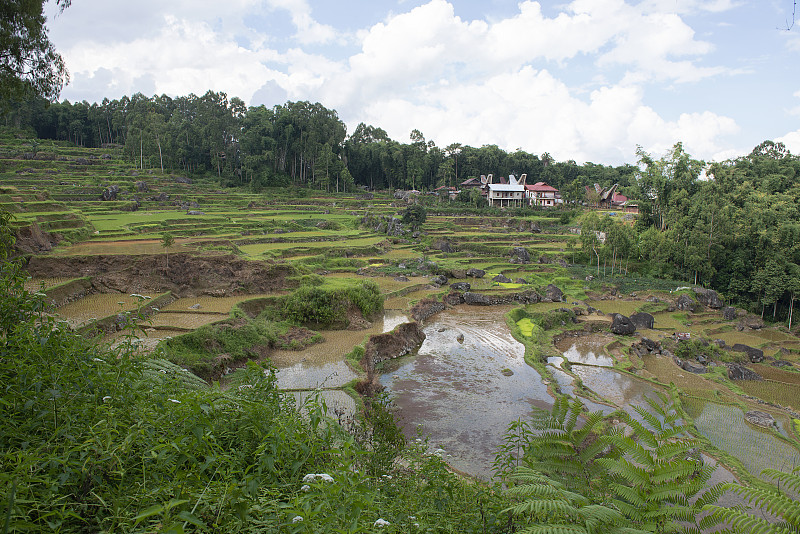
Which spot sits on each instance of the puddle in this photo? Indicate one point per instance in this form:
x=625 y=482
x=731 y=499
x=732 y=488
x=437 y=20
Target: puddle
x=457 y=392
x=322 y=364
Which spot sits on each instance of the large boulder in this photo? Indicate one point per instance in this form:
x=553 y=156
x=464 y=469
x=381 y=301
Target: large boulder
x=708 y=297
x=528 y=297
x=477 y=299
x=443 y=245
x=690 y=366
x=476 y=273
x=729 y=313
x=553 y=293
x=519 y=255
x=439 y=280
x=460 y=286
x=502 y=279
x=755 y=355
x=426 y=308
x=740 y=372
x=183 y=180
x=685 y=303
x=142 y=187
x=110 y=193
x=759 y=418
x=753 y=322
x=622 y=325
x=643 y=320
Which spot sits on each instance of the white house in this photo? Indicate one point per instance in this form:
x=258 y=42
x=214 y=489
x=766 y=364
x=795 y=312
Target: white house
x=506 y=195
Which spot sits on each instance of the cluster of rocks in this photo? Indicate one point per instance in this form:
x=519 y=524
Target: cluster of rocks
x=626 y=326
x=384 y=224
x=110 y=193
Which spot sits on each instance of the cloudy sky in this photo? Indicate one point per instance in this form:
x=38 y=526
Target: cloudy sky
x=587 y=80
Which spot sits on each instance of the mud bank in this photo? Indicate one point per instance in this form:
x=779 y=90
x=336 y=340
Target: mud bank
x=187 y=275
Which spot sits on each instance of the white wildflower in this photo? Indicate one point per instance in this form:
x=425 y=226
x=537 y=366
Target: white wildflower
x=326 y=477
x=305 y=488
x=106 y=398
x=439 y=451
x=297 y=519
x=411 y=518
x=309 y=478
x=98 y=360
x=387 y=477
x=176 y=401
x=380 y=523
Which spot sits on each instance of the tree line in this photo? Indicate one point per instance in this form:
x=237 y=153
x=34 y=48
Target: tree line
x=299 y=143
x=733 y=226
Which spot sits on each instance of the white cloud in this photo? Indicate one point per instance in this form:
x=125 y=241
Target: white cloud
x=792 y=141
x=183 y=57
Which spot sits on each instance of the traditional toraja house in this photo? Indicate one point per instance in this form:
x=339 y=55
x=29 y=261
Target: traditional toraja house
x=511 y=193
x=609 y=198
x=541 y=194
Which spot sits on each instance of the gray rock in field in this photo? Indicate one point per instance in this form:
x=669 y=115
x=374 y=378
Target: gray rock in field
x=692 y=367
x=759 y=418
x=110 y=193
x=553 y=293
x=461 y=286
x=740 y=372
x=685 y=303
x=622 y=325
x=519 y=255
x=439 y=280
x=502 y=279
x=755 y=355
x=708 y=297
x=643 y=320
x=476 y=273
x=729 y=313
x=477 y=299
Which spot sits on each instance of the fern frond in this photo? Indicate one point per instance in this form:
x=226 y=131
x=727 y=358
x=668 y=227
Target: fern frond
x=788 y=480
x=738 y=520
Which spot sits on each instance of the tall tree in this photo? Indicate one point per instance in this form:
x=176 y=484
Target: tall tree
x=29 y=63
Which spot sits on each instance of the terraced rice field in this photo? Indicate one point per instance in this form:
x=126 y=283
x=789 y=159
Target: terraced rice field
x=83 y=311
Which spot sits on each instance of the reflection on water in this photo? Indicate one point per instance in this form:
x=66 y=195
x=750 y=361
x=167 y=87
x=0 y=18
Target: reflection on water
x=580 y=354
x=458 y=392
x=322 y=364
x=618 y=388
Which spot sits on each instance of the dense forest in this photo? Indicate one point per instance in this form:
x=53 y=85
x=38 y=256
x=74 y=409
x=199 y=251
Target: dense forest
x=297 y=143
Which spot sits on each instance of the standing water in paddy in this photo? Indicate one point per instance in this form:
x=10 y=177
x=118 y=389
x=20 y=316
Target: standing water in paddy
x=464 y=394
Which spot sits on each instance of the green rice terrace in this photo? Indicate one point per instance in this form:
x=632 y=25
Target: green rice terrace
x=201 y=281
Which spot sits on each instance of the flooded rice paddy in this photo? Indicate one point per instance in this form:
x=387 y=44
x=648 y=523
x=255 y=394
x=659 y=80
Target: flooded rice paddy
x=457 y=392
x=323 y=365
x=93 y=307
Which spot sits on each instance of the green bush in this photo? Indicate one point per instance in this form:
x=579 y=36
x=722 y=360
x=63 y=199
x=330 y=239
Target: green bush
x=327 y=307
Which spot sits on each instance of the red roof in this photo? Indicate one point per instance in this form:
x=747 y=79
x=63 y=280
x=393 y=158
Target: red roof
x=540 y=186
x=619 y=198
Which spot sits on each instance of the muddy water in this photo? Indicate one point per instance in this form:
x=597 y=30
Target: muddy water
x=457 y=392
x=322 y=365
